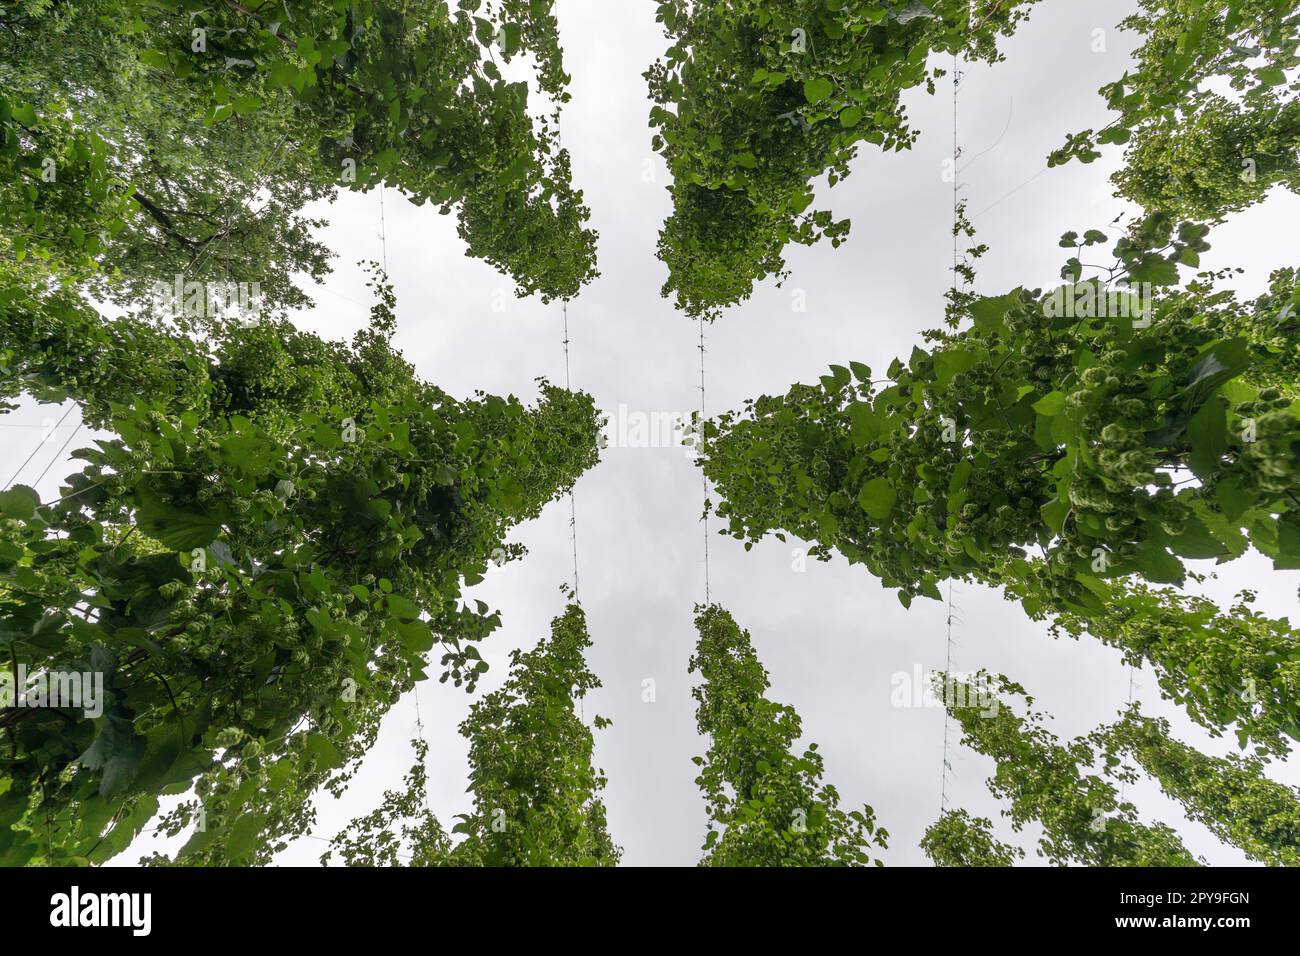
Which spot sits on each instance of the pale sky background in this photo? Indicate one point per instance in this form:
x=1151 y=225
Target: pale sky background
x=830 y=636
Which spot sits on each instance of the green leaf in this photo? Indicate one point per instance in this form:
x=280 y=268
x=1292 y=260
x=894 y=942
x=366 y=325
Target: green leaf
x=951 y=362
x=179 y=528
x=116 y=751
x=416 y=636
x=24 y=114
x=402 y=608
x=1208 y=431
x=988 y=312
x=321 y=748
x=1054 y=513
x=1050 y=404
x=863 y=425
x=20 y=501
x=511 y=38
x=1196 y=541
x=877 y=498
x=155 y=59
x=1288 y=535
x=1158 y=565
x=817 y=89
x=1156 y=270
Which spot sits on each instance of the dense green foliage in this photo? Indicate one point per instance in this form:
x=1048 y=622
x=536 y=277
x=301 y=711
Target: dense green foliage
x=401 y=831
x=1231 y=796
x=1114 y=427
x=278 y=530
x=755 y=99
x=536 y=793
x=295 y=100
x=958 y=839
x=767 y=803
x=1192 y=150
x=1232 y=670
x=322 y=500
x=1081 y=814
x=1028 y=429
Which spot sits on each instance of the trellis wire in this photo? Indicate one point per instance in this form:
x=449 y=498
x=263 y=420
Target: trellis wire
x=573 y=508
x=28 y=460
x=956 y=212
x=704 y=479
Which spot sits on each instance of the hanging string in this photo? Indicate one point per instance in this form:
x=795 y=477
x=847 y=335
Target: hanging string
x=704 y=479
x=564 y=311
x=568 y=387
x=1123 y=783
x=419 y=729
x=956 y=212
x=383 y=231
x=573 y=508
x=415 y=689
x=947 y=671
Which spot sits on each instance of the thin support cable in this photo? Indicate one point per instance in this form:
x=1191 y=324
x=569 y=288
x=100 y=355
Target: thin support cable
x=383 y=230
x=704 y=479
x=419 y=729
x=956 y=179
x=573 y=507
x=1123 y=783
x=58 y=454
x=947 y=677
x=28 y=460
x=415 y=688
x=956 y=213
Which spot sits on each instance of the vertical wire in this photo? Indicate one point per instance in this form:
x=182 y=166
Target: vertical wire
x=947 y=672
x=947 y=667
x=572 y=502
x=419 y=729
x=383 y=231
x=704 y=479
x=564 y=309
x=419 y=719
x=1123 y=784
x=581 y=700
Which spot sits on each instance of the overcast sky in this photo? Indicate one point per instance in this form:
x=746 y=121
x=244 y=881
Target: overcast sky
x=830 y=636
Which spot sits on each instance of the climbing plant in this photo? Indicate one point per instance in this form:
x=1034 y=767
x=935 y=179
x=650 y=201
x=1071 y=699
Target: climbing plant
x=401 y=831
x=1062 y=429
x=536 y=792
x=1230 y=795
x=275 y=536
x=1116 y=426
x=1083 y=819
x=284 y=103
x=258 y=561
x=1115 y=439
x=1233 y=670
x=1193 y=151
x=755 y=99
x=767 y=803
x=958 y=839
